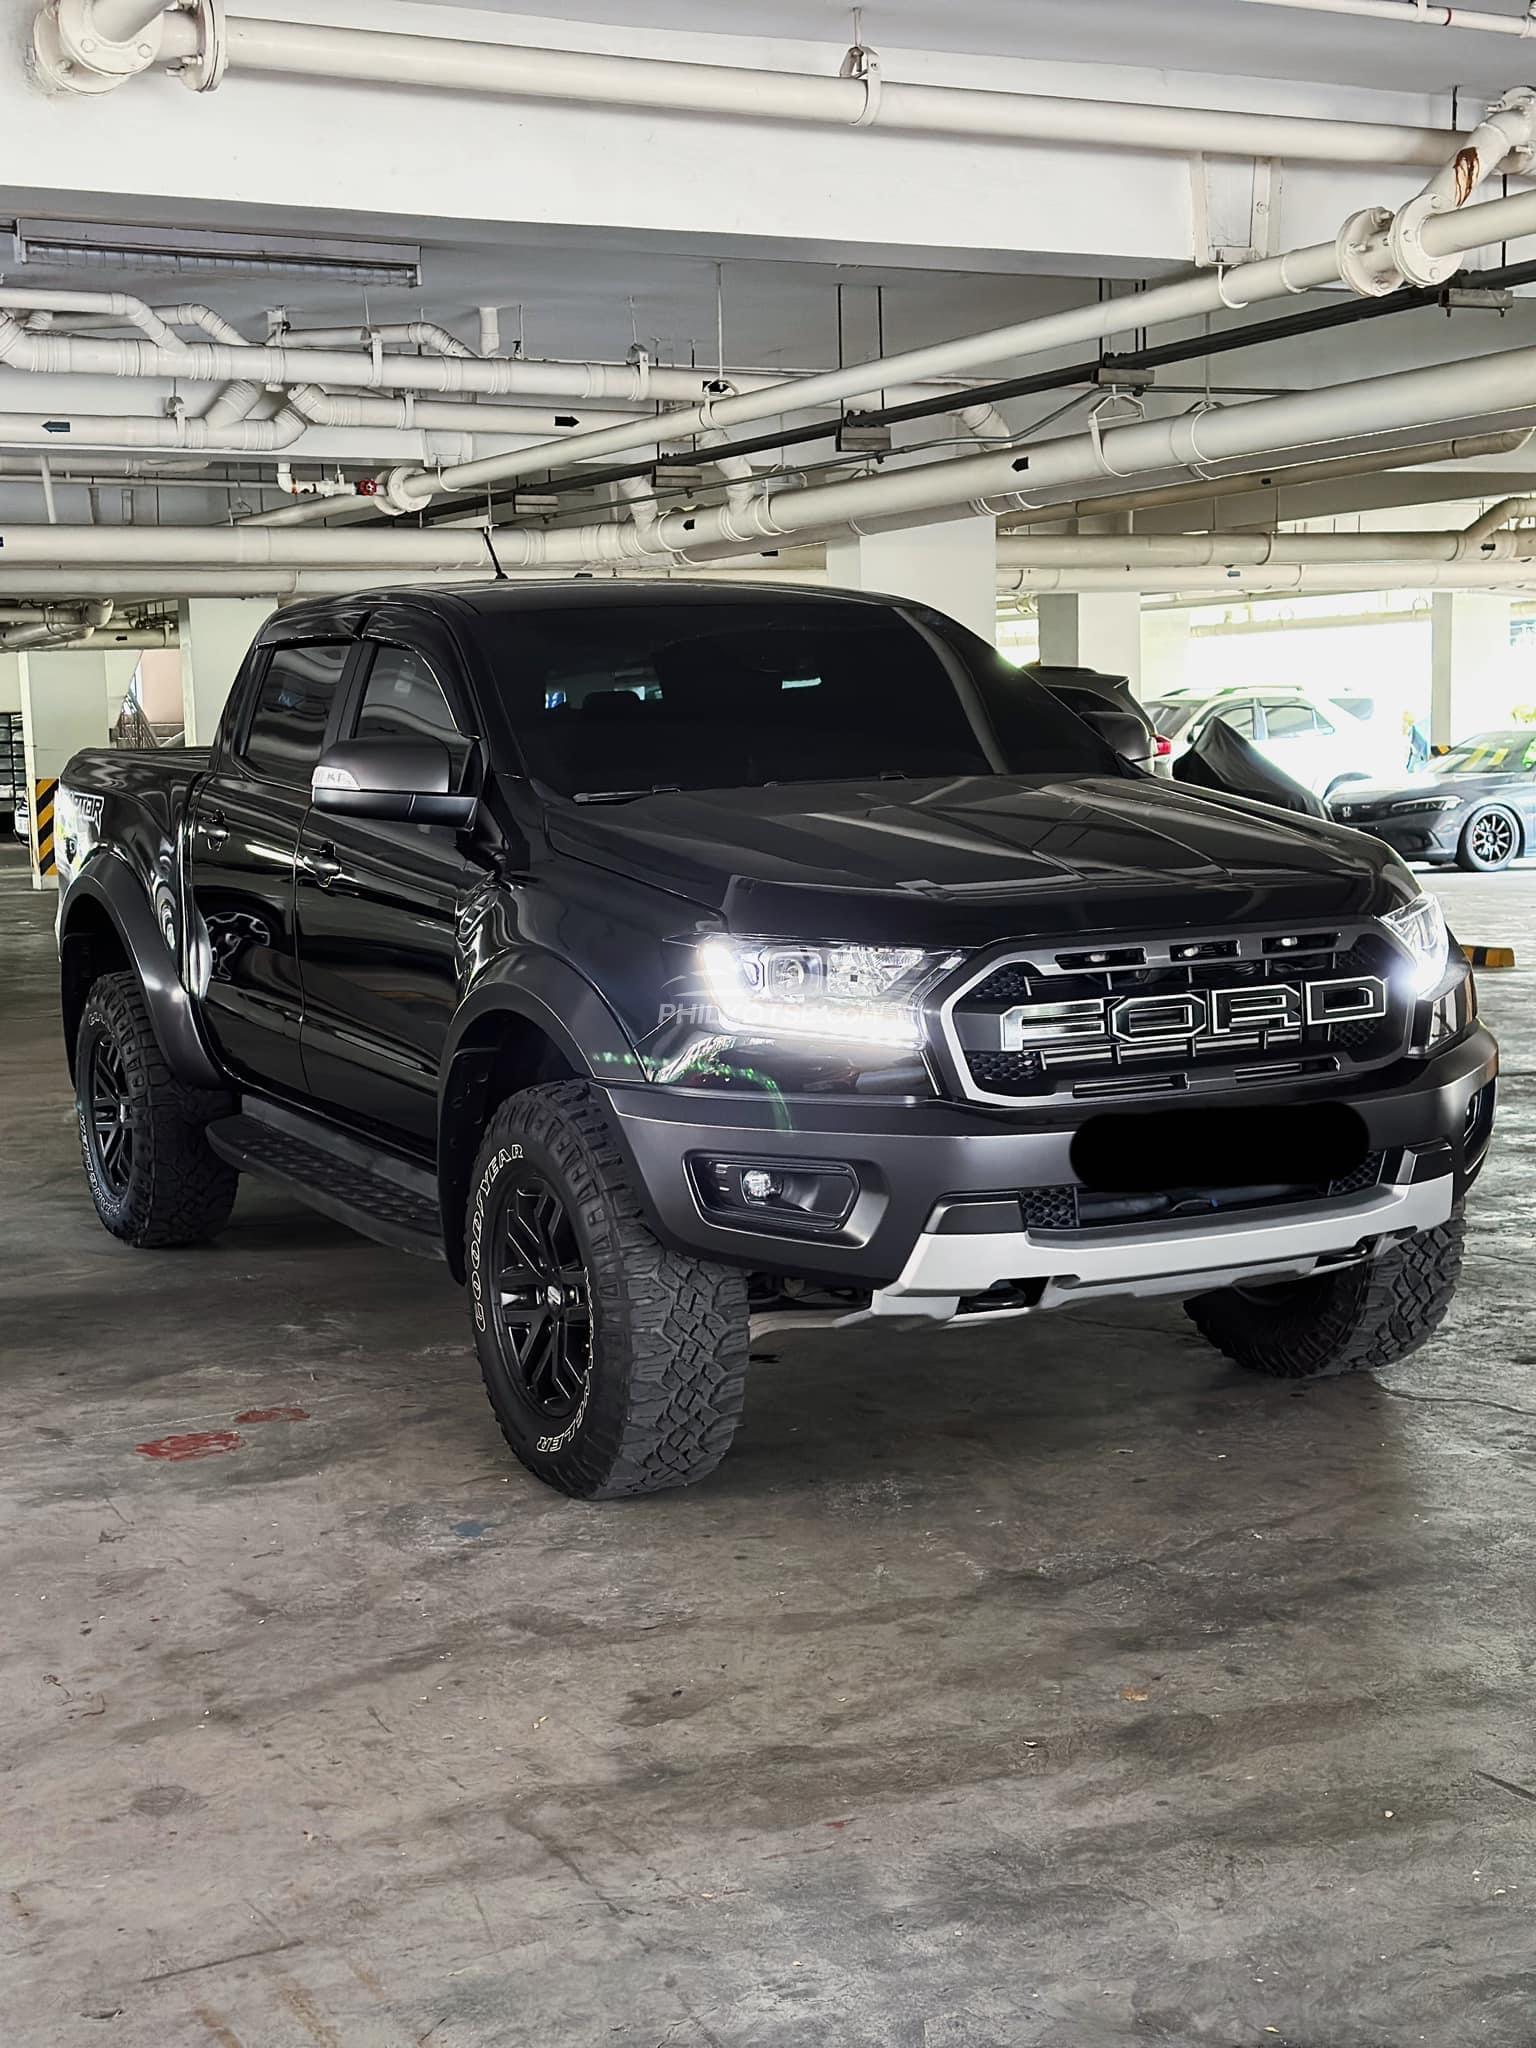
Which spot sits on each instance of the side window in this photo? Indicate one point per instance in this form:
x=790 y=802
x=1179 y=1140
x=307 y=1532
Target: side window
x=1240 y=719
x=286 y=729
x=404 y=700
x=1289 y=721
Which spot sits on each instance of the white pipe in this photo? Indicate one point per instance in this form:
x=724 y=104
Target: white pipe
x=1264 y=582
x=746 y=93
x=740 y=476
x=119 y=306
x=50 y=506
x=412 y=333
x=118 y=20
x=1360 y=248
x=982 y=483
x=1500 y=515
x=490 y=331
x=179 y=430
x=1416 y=14
x=1503 y=136
x=165 y=354
x=1282 y=475
x=352 y=409
x=1262 y=550
x=997 y=482
x=202 y=317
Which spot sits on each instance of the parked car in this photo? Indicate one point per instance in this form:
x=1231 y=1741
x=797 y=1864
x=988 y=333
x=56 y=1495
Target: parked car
x=1319 y=743
x=1112 y=708
x=678 y=959
x=1475 y=805
x=21 y=818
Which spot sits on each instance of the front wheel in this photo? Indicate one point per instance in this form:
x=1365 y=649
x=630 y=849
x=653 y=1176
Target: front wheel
x=614 y=1365
x=1490 y=839
x=154 y=1179
x=1354 y=1320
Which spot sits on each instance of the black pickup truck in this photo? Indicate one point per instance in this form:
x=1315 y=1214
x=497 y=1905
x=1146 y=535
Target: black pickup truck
x=681 y=960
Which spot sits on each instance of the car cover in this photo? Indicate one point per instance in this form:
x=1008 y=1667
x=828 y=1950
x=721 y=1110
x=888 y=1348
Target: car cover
x=1222 y=759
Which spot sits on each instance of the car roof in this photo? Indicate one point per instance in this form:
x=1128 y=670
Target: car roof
x=493 y=598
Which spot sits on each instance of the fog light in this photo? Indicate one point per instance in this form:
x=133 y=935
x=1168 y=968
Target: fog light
x=792 y=1194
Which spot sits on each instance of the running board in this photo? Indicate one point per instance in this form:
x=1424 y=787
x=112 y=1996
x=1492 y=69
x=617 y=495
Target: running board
x=372 y=1192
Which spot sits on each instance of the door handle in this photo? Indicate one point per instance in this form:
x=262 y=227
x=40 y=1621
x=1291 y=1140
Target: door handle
x=214 y=830
x=322 y=866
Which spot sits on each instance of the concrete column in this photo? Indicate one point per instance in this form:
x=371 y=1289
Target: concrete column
x=1471 y=676
x=1101 y=631
x=10 y=682
x=68 y=701
x=215 y=633
x=951 y=565
x=1164 y=652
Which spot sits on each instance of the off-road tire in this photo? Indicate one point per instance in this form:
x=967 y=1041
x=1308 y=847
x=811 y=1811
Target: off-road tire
x=669 y=1333
x=1467 y=854
x=177 y=1190
x=1355 y=1320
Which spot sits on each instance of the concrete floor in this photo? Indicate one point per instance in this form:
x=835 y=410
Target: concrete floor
x=1056 y=1686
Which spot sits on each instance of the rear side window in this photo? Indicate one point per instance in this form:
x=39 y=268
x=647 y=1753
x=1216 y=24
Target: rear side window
x=1240 y=718
x=405 y=701
x=1290 y=721
x=293 y=706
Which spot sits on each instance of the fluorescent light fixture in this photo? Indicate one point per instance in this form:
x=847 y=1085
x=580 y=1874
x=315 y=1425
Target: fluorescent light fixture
x=195 y=252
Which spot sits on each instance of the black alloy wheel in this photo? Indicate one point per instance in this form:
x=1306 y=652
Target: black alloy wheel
x=109 y=1132
x=542 y=1299
x=1491 y=839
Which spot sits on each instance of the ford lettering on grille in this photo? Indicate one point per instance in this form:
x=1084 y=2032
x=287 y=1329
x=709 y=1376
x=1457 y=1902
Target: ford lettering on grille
x=1192 y=1021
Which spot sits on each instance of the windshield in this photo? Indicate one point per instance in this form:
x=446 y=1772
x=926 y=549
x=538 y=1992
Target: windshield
x=1490 y=753
x=615 y=701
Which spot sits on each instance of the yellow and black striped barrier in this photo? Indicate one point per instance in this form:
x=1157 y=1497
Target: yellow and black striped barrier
x=43 y=793
x=1490 y=956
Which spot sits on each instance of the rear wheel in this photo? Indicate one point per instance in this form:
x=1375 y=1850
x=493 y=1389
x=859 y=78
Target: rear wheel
x=1490 y=839
x=1353 y=1320
x=153 y=1177
x=614 y=1365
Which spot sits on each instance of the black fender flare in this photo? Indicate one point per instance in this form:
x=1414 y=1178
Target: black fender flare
x=110 y=883
x=534 y=988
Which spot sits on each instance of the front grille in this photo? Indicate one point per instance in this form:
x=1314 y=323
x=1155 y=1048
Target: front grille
x=1174 y=1013
x=1016 y=1073
x=1075 y=1208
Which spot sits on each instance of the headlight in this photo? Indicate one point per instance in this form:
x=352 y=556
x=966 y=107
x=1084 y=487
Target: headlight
x=1421 y=927
x=1431 y=803
x=865 y=995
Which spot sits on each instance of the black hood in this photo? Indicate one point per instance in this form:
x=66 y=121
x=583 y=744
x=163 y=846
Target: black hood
x=963 y=860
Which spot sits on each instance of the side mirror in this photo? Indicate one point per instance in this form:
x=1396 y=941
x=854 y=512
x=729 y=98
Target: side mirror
x=390 y=779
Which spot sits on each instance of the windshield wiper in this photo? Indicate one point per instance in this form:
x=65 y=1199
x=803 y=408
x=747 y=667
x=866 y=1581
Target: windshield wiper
x=625 y=796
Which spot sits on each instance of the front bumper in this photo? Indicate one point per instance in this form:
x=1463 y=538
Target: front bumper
x=1421 y=835
x=1011 y=1273
x=939 y=1213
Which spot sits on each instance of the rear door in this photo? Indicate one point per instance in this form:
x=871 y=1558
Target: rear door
x=379 y=909
x=243 y=840
x=1301 y=741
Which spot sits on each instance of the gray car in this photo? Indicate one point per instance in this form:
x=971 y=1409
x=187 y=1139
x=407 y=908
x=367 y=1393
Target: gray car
x=1475 y=806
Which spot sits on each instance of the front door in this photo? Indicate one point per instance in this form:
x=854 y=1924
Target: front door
x=244 y=833
x=378 y=912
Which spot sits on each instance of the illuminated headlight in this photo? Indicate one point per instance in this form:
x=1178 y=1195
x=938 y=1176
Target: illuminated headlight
x=1421 y=927
x=864 y=995
x=1430 y=803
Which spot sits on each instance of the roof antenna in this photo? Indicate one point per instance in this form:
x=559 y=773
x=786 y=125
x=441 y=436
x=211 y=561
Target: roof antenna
x=490 y=548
